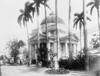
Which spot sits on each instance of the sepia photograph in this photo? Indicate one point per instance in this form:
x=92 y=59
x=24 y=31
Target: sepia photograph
x=50 y=38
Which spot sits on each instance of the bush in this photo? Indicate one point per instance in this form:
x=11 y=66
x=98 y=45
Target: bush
x=33 y=61
x=73 y=64
x=97 y=73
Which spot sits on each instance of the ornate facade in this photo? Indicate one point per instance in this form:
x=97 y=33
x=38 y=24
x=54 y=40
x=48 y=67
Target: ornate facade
x=63 y=38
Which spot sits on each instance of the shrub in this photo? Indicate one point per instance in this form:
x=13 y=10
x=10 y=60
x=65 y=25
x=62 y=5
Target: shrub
x=73 y=64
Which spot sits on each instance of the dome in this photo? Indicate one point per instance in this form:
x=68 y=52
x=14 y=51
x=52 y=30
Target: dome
x=51 y=19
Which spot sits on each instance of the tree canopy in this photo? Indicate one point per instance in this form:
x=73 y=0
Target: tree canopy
x=14 y=47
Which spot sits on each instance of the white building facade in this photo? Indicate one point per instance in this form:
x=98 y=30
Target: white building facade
x=63 y=38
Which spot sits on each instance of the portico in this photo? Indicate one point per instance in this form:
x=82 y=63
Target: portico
x=63 y=38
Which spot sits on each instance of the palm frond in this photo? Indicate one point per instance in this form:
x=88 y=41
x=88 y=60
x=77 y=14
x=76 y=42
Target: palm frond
x=26 y=5
x=75 y=19
x=24 y=20
x=76 y=14
x=78 y=20
x=30 y=7
x=46 y=5
x=88 y=18
x=30 y=17
x=82 y=14
x=75 y=23
x=91 y=9
x=97 y=3
x=19 y=19
x=21 y=10
x=89 y=4
x=33 y=11
x=37 y=9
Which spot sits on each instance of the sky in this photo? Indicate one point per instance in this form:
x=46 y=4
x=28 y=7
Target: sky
x=9 y=12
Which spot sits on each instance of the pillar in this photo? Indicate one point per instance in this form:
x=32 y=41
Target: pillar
x=66 y=49
x=74 y=50
x=55 y=47
x=59 y=50
x=35 y=48
x=33 y=51
x=48 y=46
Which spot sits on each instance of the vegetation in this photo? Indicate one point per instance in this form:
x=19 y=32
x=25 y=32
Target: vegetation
x=79 y=20
x=31 y=8
x=42 y=56
x=25 y=17
x=77 y=63
x=14 y=47
x=95 y=41
x=95 y=4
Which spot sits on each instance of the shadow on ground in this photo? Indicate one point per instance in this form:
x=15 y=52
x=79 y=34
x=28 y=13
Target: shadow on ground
x=53 y=71
x=32 y=68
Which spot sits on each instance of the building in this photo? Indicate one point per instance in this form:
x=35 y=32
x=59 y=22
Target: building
x=63 y=38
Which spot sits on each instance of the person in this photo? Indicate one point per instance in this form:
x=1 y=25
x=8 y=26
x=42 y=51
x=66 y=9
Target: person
x=27 y=58
x=51 y=56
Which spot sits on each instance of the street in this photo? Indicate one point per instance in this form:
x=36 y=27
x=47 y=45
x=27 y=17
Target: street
x=24 y=70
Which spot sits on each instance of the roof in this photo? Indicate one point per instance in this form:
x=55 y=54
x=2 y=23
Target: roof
x=35 y=37
x=42 y=37
x=73 y=37
x=52 y=19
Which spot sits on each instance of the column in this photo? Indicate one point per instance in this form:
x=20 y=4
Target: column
x=48 y=46
x=30 y=54
x=55 y=47
x=59 y=50
x=66 y=49
x=74 y=50
x=35 y=48
x=33 y=52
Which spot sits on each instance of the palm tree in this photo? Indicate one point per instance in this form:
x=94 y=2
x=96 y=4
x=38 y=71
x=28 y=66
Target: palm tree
x=25 y=17
x=46 y=23
x=95 y=4
x=57 y=39
x=79 y=20
x=36 y=4
x=85 y=38
x=69 y=17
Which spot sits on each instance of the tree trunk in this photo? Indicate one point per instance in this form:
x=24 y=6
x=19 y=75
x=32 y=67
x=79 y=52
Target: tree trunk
x=98 y=21
x=38 y=39
x=70 y=51
x=46 y=26
x=98 y=26
x=80 y=41
x=28 y=46
x=85 y=39
x=14 y=59
x=56 y=58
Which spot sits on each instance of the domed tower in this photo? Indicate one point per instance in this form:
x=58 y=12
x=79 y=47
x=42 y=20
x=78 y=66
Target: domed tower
x=62 y=36
x=51 y=24
x=52 y=19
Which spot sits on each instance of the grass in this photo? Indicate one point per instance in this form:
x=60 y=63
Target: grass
x=60 y=71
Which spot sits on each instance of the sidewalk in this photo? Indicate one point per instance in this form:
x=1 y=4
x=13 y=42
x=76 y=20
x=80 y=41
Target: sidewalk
x=24 y=70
